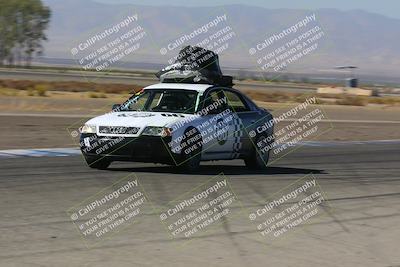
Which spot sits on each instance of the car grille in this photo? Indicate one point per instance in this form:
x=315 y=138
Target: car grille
x=118 y=130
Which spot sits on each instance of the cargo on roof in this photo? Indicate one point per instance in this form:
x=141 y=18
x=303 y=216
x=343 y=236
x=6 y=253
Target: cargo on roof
x=195 y=65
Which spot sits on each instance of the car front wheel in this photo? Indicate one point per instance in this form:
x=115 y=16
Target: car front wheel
x=191 y=154
x=99 y=163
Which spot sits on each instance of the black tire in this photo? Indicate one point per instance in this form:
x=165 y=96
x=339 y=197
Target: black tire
x=258 y=159
x=98 y=163
x=191 y=161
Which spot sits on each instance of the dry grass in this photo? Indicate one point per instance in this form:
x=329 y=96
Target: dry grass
x=352 y=101
x=70 y=86
x=270 y=97
x=97 y=95
x=30 y=92
x=280 y=97
x=285 y=97
x=100 y=90
x=389 y=100
x=41 y=89
x=4 y=91
x=364 y=100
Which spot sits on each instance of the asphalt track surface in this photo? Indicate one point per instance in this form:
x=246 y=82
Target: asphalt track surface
x=361 y=182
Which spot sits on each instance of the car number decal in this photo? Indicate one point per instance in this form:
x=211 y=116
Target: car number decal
x=222 y=131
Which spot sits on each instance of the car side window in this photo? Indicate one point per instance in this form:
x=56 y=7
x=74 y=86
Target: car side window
x=214 y=102
x=235 y=102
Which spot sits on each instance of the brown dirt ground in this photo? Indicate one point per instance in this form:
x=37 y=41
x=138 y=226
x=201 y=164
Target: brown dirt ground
x=45 y=132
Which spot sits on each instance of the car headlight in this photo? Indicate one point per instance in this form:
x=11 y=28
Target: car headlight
x=157 y=131
x=88 y=129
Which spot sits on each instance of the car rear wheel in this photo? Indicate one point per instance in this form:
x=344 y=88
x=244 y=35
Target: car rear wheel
x=258 y=159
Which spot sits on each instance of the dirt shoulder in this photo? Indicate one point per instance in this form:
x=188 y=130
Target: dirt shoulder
x=90 y=103
x=23 y=127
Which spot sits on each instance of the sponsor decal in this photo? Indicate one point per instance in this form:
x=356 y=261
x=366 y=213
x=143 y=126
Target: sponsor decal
x=136 y=115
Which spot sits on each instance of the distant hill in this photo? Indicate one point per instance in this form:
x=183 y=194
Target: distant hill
x=359 y=38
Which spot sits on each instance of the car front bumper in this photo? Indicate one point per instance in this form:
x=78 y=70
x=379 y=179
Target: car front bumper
x=141 y=149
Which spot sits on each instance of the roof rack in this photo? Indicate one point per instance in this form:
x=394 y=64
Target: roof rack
x=195 y=65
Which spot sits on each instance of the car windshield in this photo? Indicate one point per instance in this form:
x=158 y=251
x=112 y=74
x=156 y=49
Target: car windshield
x=162 y=100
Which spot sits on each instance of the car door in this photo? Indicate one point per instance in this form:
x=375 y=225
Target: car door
x=244 y=119
x=220 y=126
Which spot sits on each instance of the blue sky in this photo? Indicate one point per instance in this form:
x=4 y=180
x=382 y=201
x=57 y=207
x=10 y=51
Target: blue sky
x=390 y=8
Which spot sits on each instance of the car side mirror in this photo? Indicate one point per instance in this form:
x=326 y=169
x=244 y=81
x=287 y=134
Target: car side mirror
x=115 y=106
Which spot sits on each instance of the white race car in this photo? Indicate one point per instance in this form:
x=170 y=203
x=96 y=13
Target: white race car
x=180 y=124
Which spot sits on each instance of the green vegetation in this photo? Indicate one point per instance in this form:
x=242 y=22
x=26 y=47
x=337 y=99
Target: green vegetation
x=8 y=91
x=41 y=89
x=97 y=95
x=22 y=30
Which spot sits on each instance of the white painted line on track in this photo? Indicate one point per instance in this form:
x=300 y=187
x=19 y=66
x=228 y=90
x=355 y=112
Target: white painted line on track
x=65 y=152
x=45 y=152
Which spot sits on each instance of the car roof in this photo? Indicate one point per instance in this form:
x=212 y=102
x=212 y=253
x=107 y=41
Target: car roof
x=182 y=86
